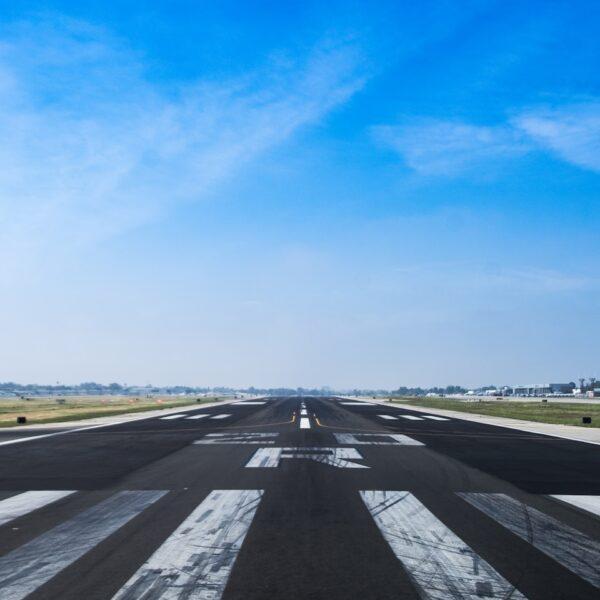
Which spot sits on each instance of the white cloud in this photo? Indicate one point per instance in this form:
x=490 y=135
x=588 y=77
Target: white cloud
x=438 y=147
x=453 y=148
x=91 y=147
x=572 y=132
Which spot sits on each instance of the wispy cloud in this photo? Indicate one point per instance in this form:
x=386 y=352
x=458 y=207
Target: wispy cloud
x=571 y=132
x=454 y=148
x=437 y=147
x=91 y=147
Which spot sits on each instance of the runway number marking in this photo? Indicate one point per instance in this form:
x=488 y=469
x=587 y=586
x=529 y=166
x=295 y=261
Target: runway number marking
x=197 y=559
x=238 y=438
x=574 y=550
x=304 y=423
x=376 y=439
x=341 y=458
x=439 y=563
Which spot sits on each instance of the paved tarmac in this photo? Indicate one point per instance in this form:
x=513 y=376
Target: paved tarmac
x=298 y=498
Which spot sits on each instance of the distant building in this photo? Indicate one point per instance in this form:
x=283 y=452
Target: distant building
x=542 y=389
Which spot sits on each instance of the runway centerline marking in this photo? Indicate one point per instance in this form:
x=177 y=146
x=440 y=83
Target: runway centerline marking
x=574 y=550
x=28 y=567
x=170 y=417
x=411 y=417
x=388 y=417
x=439 y=563
x=221 y=416
x=202 y=416
x=197 y=559
x=341 y=458
x=22 y=504
x=435 y=418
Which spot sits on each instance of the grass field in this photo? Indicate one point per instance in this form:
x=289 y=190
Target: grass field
x=551 y=412
x=72 y=408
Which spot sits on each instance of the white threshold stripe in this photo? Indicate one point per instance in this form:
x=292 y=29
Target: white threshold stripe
x=439 y=563
x=246 y=403
x=388 y=417
x=304 y=423
x=434 y=418
x=590 y=504
x=574 y=550
x=221 y=416
x=22 y=504
x=169 y=417
x=411 y=417
x=28 y=567
x=203 y=416
x=196 y=560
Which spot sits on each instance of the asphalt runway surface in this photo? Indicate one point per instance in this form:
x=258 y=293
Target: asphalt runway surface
x=298 y=498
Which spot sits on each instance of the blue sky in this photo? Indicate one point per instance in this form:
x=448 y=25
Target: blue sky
x=227 y=193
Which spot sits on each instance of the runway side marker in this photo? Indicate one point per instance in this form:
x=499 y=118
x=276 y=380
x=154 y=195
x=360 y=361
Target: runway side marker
x=197 y=559
x=22 y=504
x=590 y=504
x=304 y=423
x=169 y=417
x=439 y=563
x=574 y=550
x=376 y=439
x=411 y=417
x=357 y=403
x=246 y=403
x=25 y=569
x=237 y=438
x=336 y=457
x=222 y=416
x=388 y=417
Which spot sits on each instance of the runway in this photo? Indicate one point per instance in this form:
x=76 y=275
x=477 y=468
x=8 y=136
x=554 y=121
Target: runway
x=298 y=498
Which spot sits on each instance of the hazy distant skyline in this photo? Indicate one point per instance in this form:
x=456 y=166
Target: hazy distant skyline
x=292 y=194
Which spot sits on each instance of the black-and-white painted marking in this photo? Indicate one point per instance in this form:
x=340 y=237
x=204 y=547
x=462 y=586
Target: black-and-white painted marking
x=171 y=417
x=238 y=438
x=411 y=417
x=388 y=417
x=574 y=550
x=28 y=567
x=341 y=458
x=435 y=418
x=439 y=563
x=196 y=560
x=196 y=417
x=304 y=423
x=248 y=403
x=22 y=504
x=357 y=403
x=221 y=416
x=376 y=439
x=590 y=504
